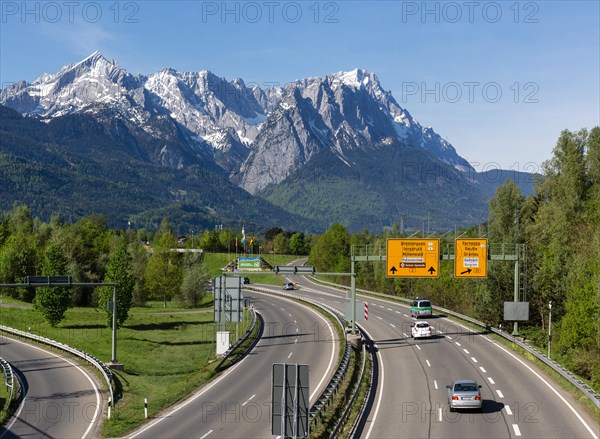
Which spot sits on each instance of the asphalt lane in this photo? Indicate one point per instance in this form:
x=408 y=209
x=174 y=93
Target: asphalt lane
x=519 y=400
x=238 y=403
x=61 y=399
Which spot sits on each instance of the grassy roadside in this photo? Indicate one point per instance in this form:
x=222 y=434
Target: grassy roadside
x=167 y=354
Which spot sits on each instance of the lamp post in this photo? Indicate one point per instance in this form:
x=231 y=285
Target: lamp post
x=549 y=328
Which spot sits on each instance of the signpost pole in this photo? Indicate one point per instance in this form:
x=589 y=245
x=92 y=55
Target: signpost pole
x=353 y=294
x=114 y=326
x=516 y=290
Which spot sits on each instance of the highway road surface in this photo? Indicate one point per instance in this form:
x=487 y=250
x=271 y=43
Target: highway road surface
x=60 y=399
x=518 y=399
x=237 y=404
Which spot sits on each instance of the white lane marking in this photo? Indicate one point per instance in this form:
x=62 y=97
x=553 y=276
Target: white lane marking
x=202 y=437
x=439 y=331
x=290 y=355
x=482 y=369
x=297 y=329
x=418 y=347
x=289 y=314
x=499 y=393
x=516 y=429
x=404 y=334
x=295 y=341
x=457 y=343
x=435 y=385
x=466 y=352
x=283 y=309
x=250 y=399
x=440 y=414
x=379 y=318
x=491 y=380
x=449 y=338
x=398 y=312
x=337 y=301
x=428 y=363
x=508 y=410
x=474 y=359
x=405 y=315
x=389 y=309
x=392 y=325
x=379 y=392
x=80 y=369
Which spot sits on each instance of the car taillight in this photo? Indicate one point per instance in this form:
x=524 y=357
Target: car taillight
x=454 y=398
x=478 y=397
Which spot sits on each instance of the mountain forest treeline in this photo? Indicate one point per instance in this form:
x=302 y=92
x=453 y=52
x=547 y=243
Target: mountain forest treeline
x=558 y=226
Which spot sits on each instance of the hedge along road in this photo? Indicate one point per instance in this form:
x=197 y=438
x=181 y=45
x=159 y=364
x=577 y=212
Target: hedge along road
x=60 y=398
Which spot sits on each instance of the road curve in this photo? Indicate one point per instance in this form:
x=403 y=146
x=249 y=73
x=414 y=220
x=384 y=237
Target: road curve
x=60 y=398
x=519 y=399
x=238 y=403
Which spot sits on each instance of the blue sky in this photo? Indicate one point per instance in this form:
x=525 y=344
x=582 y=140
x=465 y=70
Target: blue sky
x=499 y=80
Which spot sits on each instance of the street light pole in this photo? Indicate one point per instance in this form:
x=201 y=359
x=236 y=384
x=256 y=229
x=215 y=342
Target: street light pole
x=549 y=328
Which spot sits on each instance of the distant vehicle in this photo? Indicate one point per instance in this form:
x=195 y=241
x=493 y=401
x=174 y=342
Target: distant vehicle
x=420 y=307
x=288 y=286
x=421 y=330
x=464 y=394
x=246 y=280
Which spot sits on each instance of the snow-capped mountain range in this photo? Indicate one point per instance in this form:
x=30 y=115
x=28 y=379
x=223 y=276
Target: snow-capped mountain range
x=259 y=137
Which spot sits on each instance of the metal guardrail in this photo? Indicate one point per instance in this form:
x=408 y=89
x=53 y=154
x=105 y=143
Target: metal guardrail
x=230 y=351
x=324 y=400
x=590 y=393
x=9 y=378
x=104 y=370
x=342 y=419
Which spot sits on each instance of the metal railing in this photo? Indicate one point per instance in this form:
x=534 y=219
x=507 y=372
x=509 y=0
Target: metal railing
x=104 y=370
x=590 y=393
x=324 y=400
x=9 y=378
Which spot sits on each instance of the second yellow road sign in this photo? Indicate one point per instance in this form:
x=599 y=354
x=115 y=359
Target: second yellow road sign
x=470 y=258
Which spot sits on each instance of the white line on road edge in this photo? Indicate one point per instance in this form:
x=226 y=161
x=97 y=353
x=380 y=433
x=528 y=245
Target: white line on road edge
x=435 y=384
x=440 y=414
x=392 y=325
x=491 y=380
x=418 y=347
x=516 y=429
x=290 y=355
x=202 y=437
x=379 y=391
x=457 y=343
x=482 y=369
x=474 y=359
x=466 y=352
x=508 y=410
x=80 y=369
x=562 y=398
x=428 y=363
x=499 y=393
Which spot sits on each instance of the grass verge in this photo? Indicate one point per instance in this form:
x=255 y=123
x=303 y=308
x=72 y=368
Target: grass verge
x=167 y=355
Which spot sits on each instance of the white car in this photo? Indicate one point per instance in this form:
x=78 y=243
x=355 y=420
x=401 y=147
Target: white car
x=421 y=330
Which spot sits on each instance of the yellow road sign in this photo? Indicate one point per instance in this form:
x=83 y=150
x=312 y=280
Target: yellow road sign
x=407 y=257
x=470 y=258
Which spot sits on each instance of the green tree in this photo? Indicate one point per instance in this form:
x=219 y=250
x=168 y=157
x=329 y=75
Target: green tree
x=163 y=272
x=195 y=282
x=504 y=231
x=53 y=302
x=119 y=271
x=281 y=244
x=297 y=244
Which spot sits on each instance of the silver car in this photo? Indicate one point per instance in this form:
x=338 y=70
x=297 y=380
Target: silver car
x=464 y=394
